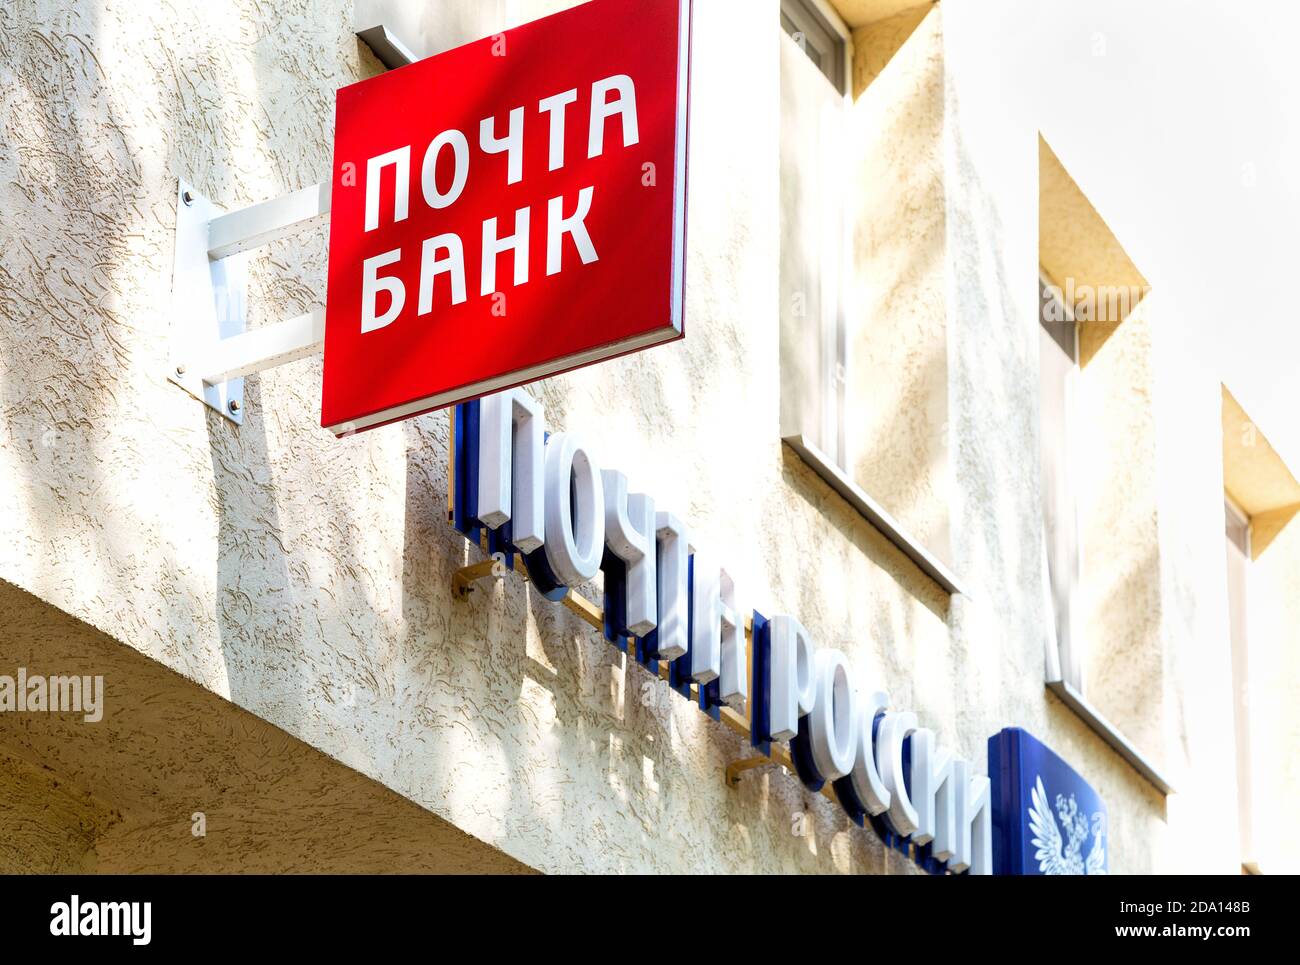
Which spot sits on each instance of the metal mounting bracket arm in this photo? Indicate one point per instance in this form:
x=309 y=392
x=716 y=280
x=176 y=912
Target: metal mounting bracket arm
x=212 y=348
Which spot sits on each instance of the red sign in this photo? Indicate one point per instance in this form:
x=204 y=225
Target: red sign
x=507 y=210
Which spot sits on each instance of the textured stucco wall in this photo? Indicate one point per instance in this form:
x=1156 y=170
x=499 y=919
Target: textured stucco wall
x=1000 y=630
x=1124 y=674
x=1274 y=629
x=46 y=826
x=1150 y=488
x=307 y=579
x=1196 y=715
x=1266 y=490
x=896 y=396
x=172 y=778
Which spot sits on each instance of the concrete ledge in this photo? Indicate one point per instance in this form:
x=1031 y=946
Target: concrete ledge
x=120 y=795
x=875 y=514
x=1110 y=734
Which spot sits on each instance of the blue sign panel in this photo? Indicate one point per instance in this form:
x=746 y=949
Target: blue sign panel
x=1047 y=820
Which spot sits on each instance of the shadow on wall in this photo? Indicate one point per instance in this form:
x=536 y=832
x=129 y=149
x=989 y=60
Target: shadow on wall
x=282 y=635
x=85 y=275
x=529 y=717
x=861 y=537
x=81 y=209
x=481 y=666
x=1082 y=257
x=897 y=393
x=174 y=779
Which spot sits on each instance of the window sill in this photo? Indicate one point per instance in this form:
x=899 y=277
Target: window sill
x=1110 y=734
x=875 y=514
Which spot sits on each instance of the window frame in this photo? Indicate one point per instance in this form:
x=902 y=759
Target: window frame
x=818 y=18
x=1239 y=652
x=1057 y=678
x=815 y=24
x=1069 y=649
x=819 y=26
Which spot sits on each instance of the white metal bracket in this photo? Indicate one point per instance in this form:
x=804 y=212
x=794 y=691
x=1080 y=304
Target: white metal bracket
x=392 y=53
x=212 y=348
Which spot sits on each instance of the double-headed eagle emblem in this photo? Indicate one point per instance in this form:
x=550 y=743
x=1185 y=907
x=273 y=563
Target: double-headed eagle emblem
x=1064 y=856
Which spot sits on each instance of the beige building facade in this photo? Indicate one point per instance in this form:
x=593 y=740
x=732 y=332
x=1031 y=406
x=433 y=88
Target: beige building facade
x=926 y=402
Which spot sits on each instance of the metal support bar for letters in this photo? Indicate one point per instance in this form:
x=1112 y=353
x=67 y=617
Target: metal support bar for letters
x=463 y=580
x=736 y=768
x=593 y=615
x=212 y=348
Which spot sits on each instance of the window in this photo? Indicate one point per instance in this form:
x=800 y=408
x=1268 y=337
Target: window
x=864 y=378
x=1062 y=436
x=1237 y=531
x=813 y=226
x=1101 y=546
x=1262 y=540
x=823 y=43
x=1058 y=345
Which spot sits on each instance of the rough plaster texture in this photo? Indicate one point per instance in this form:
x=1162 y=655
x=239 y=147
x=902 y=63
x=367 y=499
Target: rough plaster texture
x=1120 y=575
x=1273 y=625
x=1267 y=491
x=121 y=794
x=993 y=331
x=875 y=45
x=859 y=13
x=896 y=396
x=47 y=827
x=1196 y=714
x=1254 y=475
x=1078 y=252
x=307 y=579
x=1152 y=454
x=1152 y=591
